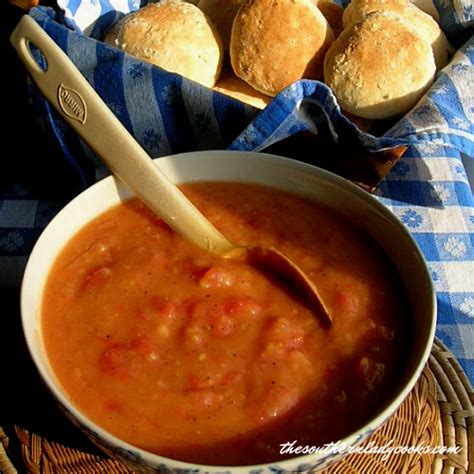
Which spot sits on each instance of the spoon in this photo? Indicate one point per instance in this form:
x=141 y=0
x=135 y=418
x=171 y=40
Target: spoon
x=77 y=102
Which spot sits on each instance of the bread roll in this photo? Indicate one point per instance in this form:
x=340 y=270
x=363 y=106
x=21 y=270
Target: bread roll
x=229 y=84
x=379 y=68
x=333 y=14
x=222 y=14
x=275 y=43
x=419 y=21
x=428 y=7
x=25 y=4
x=174 y=35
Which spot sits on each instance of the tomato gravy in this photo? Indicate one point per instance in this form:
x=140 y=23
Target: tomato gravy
x=206 y=360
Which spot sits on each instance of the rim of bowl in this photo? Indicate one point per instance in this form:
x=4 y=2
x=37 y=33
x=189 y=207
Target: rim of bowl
x=265 y=159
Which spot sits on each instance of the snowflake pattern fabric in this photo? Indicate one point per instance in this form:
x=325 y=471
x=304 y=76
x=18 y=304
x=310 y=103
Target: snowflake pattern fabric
x=11 y=241
x=467 y=306
x=411 y=219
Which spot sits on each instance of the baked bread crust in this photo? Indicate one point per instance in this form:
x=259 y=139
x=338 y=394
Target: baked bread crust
x=231 y=85
x=333 y=13
x=421 y=22
x=277 y=42
x=222 y=14
x=174 y=35
x=379 y=68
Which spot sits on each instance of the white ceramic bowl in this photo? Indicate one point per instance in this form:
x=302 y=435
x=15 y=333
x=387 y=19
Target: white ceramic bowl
x=281 y=173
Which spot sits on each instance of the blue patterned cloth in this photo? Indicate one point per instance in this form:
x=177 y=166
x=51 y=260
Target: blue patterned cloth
x=427 y=189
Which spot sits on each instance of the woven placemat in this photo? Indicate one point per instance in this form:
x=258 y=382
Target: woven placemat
x=6 y=466
x=438 y=412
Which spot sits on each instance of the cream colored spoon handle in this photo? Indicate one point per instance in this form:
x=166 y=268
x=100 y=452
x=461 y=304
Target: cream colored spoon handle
x=77 y=102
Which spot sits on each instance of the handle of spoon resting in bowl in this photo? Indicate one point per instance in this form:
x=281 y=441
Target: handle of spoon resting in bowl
x=77 y=102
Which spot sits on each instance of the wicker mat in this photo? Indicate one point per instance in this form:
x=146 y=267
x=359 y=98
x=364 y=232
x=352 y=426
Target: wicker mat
x=438 y=412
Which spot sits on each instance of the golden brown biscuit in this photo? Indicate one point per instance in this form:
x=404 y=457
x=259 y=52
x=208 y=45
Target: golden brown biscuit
x=277 y=42
x=333 y=14
x=420 y=22
x=379 y=68
x=222 y=14
x=174 y=35
x=25 y=4
x=229 y=84
x=428 y=7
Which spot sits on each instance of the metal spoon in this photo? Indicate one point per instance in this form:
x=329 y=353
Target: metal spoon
x=77 y=102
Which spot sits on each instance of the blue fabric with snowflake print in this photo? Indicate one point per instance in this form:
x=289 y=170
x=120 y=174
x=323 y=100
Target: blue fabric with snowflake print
x=172 y=114
x=429 y=192
x=427 y=189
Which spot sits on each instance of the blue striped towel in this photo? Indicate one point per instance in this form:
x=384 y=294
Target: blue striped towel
x=168 y=114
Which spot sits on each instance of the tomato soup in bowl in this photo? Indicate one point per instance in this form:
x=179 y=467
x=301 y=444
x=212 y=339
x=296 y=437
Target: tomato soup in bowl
x=171 y=357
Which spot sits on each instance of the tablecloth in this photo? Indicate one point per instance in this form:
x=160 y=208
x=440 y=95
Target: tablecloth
x=427 y=189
